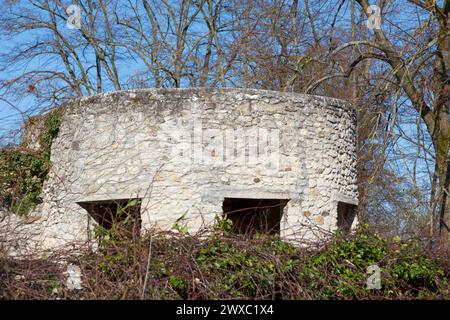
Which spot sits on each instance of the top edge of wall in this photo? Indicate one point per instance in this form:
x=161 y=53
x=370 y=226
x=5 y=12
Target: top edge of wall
x=205 y=93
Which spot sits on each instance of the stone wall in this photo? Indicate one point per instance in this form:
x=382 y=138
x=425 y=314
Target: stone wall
x=32 y=128
x=182 y=151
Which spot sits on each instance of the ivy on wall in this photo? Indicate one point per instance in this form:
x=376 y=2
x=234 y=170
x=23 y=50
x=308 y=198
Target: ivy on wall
x=23 y=172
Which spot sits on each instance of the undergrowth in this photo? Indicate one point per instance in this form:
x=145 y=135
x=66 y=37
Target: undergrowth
x=225 y=266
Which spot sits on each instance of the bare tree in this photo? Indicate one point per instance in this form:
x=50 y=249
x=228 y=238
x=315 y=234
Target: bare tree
x=419 y=61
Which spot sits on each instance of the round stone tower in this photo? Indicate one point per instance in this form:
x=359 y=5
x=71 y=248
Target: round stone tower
x=271 y=162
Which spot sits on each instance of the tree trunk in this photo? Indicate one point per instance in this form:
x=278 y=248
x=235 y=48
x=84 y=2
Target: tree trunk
x=442 y=143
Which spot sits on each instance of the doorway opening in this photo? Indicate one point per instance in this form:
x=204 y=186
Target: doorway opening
x=346 y=213
x=119 y=219
x=250 y=216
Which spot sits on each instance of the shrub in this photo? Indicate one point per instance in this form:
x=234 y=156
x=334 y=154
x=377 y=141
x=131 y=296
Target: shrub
x=225 y=266
x=23 y=172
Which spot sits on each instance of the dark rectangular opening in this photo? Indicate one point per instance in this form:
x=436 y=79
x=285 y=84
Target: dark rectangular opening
x=250 y=216
x=122 y=216
x=346 y=213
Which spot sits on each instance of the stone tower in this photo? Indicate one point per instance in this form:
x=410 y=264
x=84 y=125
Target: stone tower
x=188 y=156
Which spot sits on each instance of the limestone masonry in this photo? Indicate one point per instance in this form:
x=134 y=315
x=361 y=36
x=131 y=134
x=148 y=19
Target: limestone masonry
x=190 y=154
